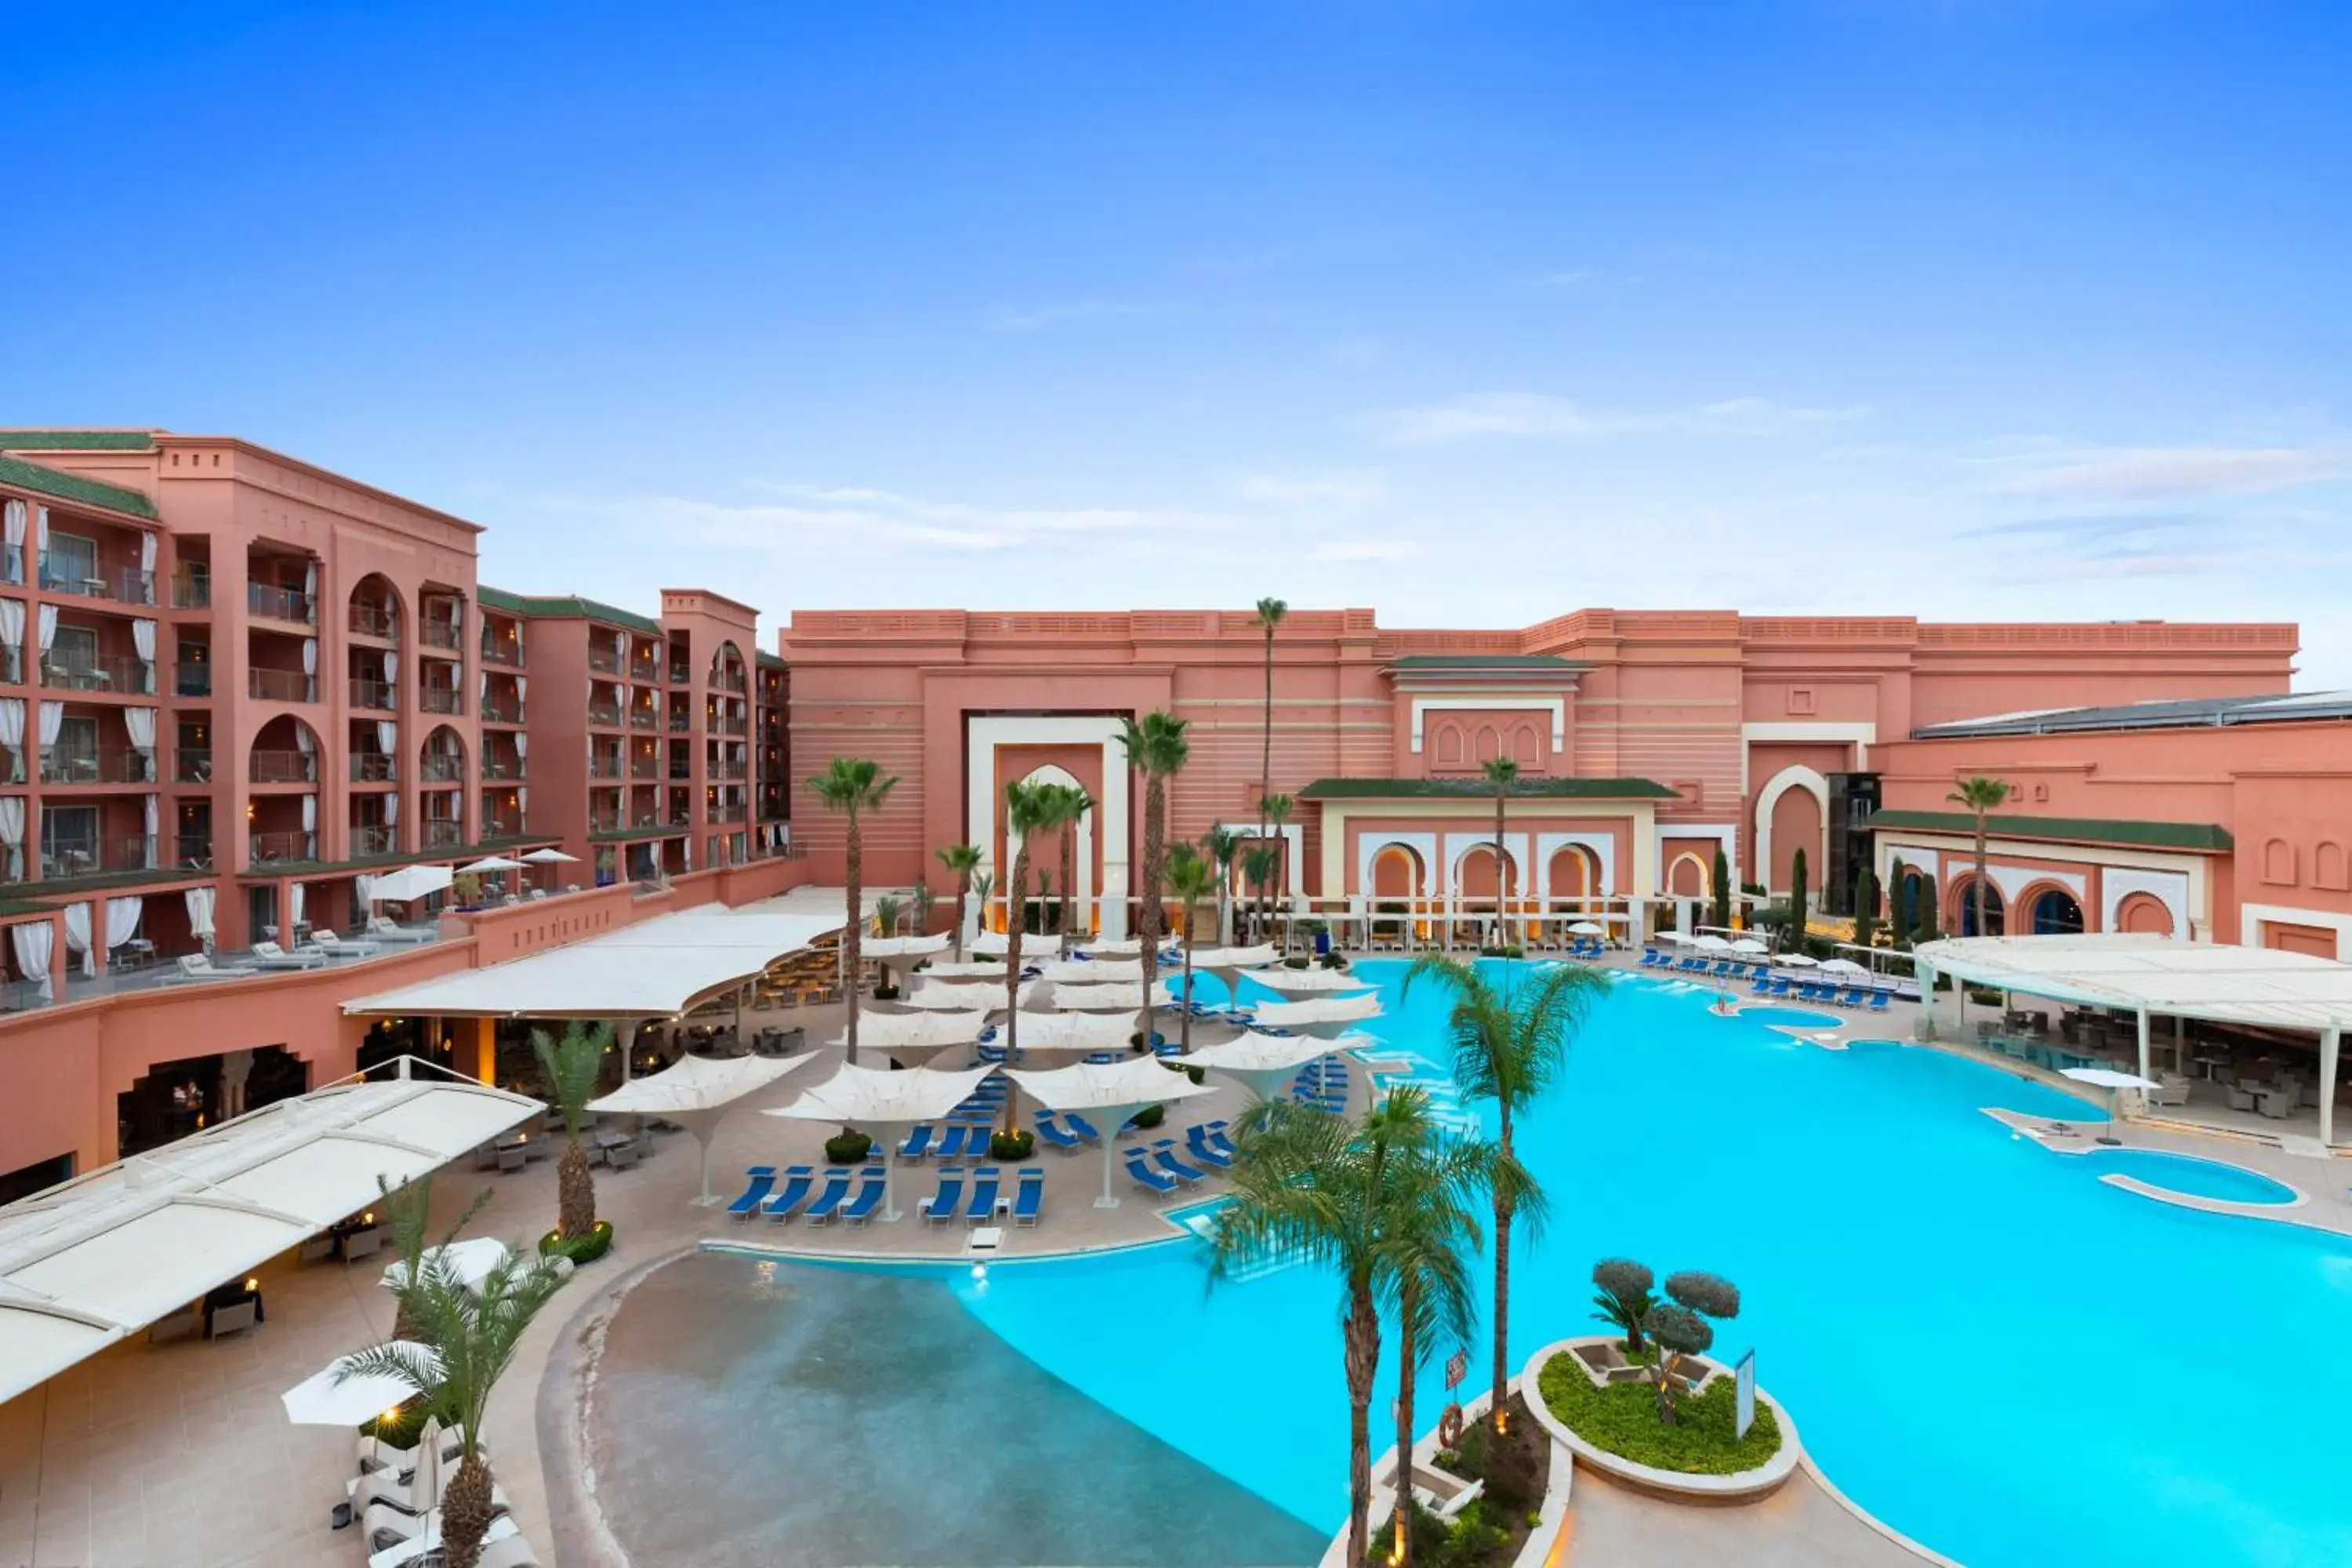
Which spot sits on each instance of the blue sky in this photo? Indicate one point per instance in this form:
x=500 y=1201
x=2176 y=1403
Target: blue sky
x=1473 y=313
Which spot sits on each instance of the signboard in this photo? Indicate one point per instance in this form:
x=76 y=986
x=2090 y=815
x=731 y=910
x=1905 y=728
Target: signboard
x=1745 y=1390
x=1457 y=1367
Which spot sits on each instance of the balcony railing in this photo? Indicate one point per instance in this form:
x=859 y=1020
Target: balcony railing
x=727 y=680
x=193 y=765
x=647 y=670
x=192 y=680
x=373 y=838
x=645 y=767
x=680 y=673
x=282 y=767
x=441 y=699
x=603 y=660
x=280 y=604
x=735 y=813
x=643 y=719
x=378 y=694
x=96 y=857
x=678 y=720
x=97 y=765
x=271 y=848
x=375 y=767
x=503 y=651
x=723 y=725
x=192 y=586
x=441 y=767
x=508 y=825
x=606 y=713
x=607 y=767
x=679 y=768
x=66 y=574
x=193 y=850
x=130 y=676
x=282 y=685
x=724 y=770
x=498 y=767
x=443 y=835
x=379 y=621
x=443 y=635
x=502 y=710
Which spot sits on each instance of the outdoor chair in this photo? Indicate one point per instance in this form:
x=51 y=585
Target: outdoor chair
x=624 y=1157
x=828 y=1202
x=334 y=946
x=513 y=1159
x=231 y=1320
x=985 y=1180
x=763 y=1180
x=869 y=1197
x=942 y=1205
x=362 y=1243
x=269 y=955
x=1029 y=1195
x=791 y=1196
x=382 y=928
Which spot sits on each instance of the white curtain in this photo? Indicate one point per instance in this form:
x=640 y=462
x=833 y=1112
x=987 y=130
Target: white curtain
x=387 y=736
x=11 y=825
x=309 y=656
x=486 y=686
x=77 y=937
x=310 y=813
x=154 y=824
x=143 y=638
x=41 y=529
x=34 y=942
x=296 y=907
x=48 y=627
x=139 y=723
x=146 y=553
x=363 y=895
x=311 y=581
x=522 y=744
x=53 y=722
x=200 y=914
x=391 y=810
x=12 y=519
x=12 y=737
x=12 y=622
x=391 y=668
x=522 y=689
x=522 y=798
x=302 y=741
x=123 y=919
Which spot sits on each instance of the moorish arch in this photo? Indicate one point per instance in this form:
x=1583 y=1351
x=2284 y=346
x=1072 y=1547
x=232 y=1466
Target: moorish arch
x=1474 y=873
x=1398 y=873
x=1792 y=809
x=1687 y=877
x=2144 y=914
x=2049 y=909
x=1046 y=849
x=1962 y=899
x=1574 y=874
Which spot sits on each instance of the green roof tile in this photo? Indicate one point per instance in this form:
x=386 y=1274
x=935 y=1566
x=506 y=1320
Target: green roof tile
x=74 y=488
x=77 y=440
x=2209 y=838
x=563 y=607
x=1478 y=789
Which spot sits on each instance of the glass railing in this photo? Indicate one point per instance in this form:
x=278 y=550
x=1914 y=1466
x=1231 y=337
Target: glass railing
x=378 y=694
x=503 y=651
x=97 y=765
x=497 y=767
x=373 y=838
x=130 y=676
x=441 y=699
x=192 y=680
x=603 y=660
x=193 y=850
x=95 y=856
x=443 y=835
x=282 y=767
x=645 y=767
x=193 y=765
x=380 y=621
x=496 y=711
x=444 y=634
x=373 y=767
x=276 y=848
x=68 y=575
x=440 y=767
x=281 y=686
x=192 y=586
x=280 y=604
x=643 y=719
x=605 y=713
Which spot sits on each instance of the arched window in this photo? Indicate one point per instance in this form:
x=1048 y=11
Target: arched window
x=2278 y=862
x=2144 y=914
x=2056 y=913
x=2327 y=870
x=1963 y=908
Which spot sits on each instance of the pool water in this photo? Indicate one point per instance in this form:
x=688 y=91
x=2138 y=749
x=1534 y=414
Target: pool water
x=2187 y=1174
x=1791 y=1018
x=1970 y=1336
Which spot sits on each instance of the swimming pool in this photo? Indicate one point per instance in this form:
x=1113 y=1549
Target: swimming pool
x=1792 y=1018
x=1970 y=1335
x=2187 y=1174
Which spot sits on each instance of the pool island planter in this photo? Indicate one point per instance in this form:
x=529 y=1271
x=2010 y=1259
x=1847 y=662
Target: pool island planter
x=1679 y=1486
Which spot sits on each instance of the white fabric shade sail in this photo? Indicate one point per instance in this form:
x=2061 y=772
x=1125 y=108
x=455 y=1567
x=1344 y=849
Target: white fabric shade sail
x=552 y=857
x=903 y=946
x=410 y=883
x=1090 y=971
x=967 y=970
x=1307 y=982
x=963 y=996
x=320 y=1400
x=2108 y=1077
x=882 y=1104
x=654 y=969
x=1110 y=1093
x=1326 y=1016
x=1262 y=1062
x=1795 y=961
x=489 y=863
x=697 y=1092
x=1841 y=967
x=1227 y=960
x=1125 y=998
x=906 y=1033
x=93 y=1262
x=1122 y=947
x=2256 y=985
x=470 y=1262
x=1087 y=1032
x=1586 y=928
x=995 y=943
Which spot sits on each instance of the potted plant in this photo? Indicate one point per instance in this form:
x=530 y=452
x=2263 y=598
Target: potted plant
x=1015 y=1145
x=848 y=1147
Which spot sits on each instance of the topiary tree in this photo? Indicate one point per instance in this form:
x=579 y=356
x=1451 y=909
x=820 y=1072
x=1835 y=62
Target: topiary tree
x=1678 y=1327
x=1720 y=888
x=1797 y=900
x=1624 y=1299
x=1898 y=904
x=1927 y=929
x=1865 y=908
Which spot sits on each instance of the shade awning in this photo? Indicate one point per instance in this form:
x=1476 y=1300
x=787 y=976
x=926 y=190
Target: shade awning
x=654 y=969
x=95 y=1260
x=872 y=1096
x=1099 y=1086
x=903 y=946
x=1076 y=1031
x=410 y=883
x=1091 y=971
x=963 y=996
x=1307 y=982
x=2259 y=986
x=916 y=1031
x=1318 y=1015
x=1125 y=998
x=698 y=1084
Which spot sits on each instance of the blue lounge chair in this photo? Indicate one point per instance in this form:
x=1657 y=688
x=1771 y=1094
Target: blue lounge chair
x=919 y=1142
x=790 y=1195
x=828 y=1202
x=1854 y=997
x=1213 y=1134
x=951 y=1145
x=870 y=1198
x=1779 y=985
x=941 y=1205
x=764 y=1181
x=1163 y=1154
x=1196 y=1144
x=1028 y=1195
x=1056 y=1135
x=985 y=1179
x=1144 y=1175
x=1878 y=1000
x=1081 y=1126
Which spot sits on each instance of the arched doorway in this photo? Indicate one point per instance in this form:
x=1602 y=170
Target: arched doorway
x=1963 y=908
x=2055 y=912
x=1400 y=881
x=1573 y=875
x=1687 y=878
x=1474 y=877
x=2144 y=914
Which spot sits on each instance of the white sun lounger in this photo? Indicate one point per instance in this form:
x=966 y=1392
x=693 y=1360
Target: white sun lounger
x=200 y=966
x=269 y=955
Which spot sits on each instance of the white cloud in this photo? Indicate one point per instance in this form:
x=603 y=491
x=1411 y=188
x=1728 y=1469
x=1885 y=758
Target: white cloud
x=850 y=521
x=2149 y=473
x=1342 y=551
x=1538 y=417
x=1351 y=487
x=1037 y=318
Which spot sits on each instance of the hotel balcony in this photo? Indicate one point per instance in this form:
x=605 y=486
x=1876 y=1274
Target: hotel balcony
x=375 y=767
x=373 y=838
x=603 y=659
x=728 y=724
x=378 y=695
x=498 y=710
x=124 y=674
x=279 y=602
x=644 y=716
x=96 y=578
x=376 y=618
x=735 y=812
x=726 y=770
x=443 y=767
x=508 y=767
x=502 y=646
x=644 y=765
x=441 y=699
x=192 y=586
x=65 y=855
x=445 y=635
x=444 y=834
x=267 y=765
x=679 y=718
x=192 y=851
x=281 y=848
x=96 y=765
x=192 y=680
x=607 y=714
x=606 y=766
x=191 y=764
x=281 y=686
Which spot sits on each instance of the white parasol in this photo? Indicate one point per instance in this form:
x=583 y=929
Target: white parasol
x=1113 y=1091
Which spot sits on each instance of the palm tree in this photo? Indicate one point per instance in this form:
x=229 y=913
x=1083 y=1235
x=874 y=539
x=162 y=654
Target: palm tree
x=409 y=1211
x=1278 y=809
x=1029 y=808
x=1222 y=845
x=982 y=885
x=961 y=860
x=1328 y=1190
x=1501 y=772
x=1257 y=870
x=1509 y=1048
x=1191 y=878
x=1270 y=613
x=1071 y=803
x=853 y=786
x=465 y=1339
x=1980 y=795
x=1156 y=748
x=571 y=1066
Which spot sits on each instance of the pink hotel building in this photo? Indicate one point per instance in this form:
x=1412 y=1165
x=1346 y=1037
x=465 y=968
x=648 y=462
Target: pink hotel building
x=233 y=685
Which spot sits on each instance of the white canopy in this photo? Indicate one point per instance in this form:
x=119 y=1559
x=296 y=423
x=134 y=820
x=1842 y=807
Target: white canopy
x=1226 y=960
x=1091 y=971
x=697 y=1092
x=493 y=863
x=964 y=996
x=969 y=969
x=881 y=1104
x=95 y=1260
x=1795 y=961
x=1076 y=1031
x=1124 y=997
x=1748 y=944
x=903 y=946
x=1105 y=947
x=1261 y=1061
x=908 y=1032
x=1114 y=1092
x=993 y=944
x=469 y=1263
x=654 y=969
x=552 y=857
x=1709 y=943
x=319 y=1400
x=1841 y=967
x=1307 y=982
x=1328 y=1016
x=1586 y=928
x=2108 y=1077
x=409 y=884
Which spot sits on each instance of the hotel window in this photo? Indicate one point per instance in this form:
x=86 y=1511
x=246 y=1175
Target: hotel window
x=75 y=649
x=71 y=561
